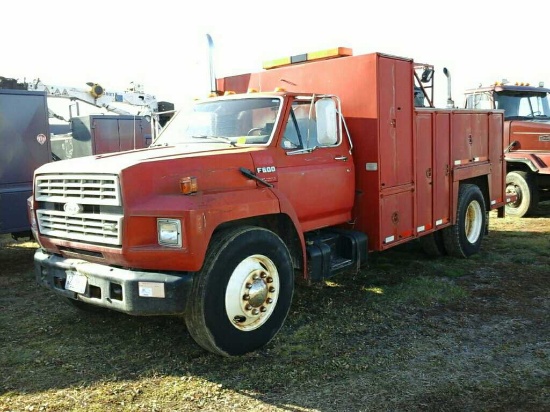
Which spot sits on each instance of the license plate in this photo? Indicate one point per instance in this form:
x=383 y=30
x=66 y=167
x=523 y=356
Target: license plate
x=76 y=282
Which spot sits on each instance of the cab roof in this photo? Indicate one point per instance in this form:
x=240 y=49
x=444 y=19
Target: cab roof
x=508 y=87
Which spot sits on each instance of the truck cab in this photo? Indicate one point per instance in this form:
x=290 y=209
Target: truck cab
x=527 y=130
x=294 y=140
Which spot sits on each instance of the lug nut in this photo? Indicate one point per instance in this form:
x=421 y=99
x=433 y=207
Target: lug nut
x=269 y=280
x=263 y=275
x=255 y=312
x=248 y=307
x=269 y=300
x=248 y=285
x=271 y=289
x=263 y=309
x=246 y=297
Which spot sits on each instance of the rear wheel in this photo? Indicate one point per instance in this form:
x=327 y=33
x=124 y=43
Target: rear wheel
x=523 y=186
x=433 y=244
x=464 y=238
x=242 y=295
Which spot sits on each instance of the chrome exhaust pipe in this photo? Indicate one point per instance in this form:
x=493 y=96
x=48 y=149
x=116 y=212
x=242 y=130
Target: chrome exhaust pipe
x=450 y=101
x=213 y=87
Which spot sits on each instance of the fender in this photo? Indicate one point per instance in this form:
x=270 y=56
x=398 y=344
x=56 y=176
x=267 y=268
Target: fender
x=286 y=208
x=231 y=207
x=537 y=163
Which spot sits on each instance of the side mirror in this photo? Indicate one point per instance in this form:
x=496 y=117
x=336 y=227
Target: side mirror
x=327 y=126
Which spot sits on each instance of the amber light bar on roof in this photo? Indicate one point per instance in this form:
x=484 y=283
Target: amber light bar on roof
x=302 y=58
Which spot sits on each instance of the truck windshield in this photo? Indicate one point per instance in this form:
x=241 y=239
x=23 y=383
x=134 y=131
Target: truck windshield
x=236 y=121
x=519 y=105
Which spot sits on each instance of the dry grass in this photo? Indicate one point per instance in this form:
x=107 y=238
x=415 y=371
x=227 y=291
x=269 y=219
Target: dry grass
x=409 y=333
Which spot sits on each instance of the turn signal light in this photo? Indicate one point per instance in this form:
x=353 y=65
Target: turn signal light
x=188 y=185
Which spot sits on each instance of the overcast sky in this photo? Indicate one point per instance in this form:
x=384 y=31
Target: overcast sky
x=162 y=44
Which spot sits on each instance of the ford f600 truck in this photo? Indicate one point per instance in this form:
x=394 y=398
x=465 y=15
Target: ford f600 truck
x=292 y=173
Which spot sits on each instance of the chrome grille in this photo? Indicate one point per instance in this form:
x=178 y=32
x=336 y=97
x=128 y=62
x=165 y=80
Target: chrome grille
x=85 y=227
x=80 y=207
x=92 y=189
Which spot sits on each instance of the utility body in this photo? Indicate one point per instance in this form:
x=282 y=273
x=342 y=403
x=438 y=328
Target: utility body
x=293 y=173
x=527 y=136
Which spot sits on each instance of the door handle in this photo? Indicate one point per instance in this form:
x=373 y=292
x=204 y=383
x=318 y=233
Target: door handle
x=344 y=158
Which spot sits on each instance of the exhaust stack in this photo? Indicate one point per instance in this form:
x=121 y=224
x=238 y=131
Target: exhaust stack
x=450 y=101
x=213 y=87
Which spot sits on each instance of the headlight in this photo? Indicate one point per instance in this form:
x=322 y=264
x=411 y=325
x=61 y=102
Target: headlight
x=169 y=232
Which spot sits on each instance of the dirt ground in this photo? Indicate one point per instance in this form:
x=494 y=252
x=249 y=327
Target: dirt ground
x=408 y=333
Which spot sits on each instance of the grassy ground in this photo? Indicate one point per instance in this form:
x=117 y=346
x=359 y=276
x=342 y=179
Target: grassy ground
x=409 y=333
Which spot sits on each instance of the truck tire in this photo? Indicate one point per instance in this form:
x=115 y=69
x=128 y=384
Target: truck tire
x=523 y=185
x=463 y=239
x=433 y=244
x=242 y=295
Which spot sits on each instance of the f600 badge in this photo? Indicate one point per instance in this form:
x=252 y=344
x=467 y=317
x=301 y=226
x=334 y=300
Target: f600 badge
x=266 y=169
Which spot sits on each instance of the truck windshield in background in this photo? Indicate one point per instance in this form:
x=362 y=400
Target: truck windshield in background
x=235 y=121
x=517 y=105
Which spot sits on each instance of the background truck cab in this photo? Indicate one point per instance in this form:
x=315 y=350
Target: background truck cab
x=527 y=133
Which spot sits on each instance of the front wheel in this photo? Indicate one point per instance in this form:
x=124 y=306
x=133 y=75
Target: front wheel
x=522 y=185
x=242 y=295
x=463 y=239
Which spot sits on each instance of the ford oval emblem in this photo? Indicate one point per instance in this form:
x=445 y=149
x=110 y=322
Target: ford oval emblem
x=72 y=208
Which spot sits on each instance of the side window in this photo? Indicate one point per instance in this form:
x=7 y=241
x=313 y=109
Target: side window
x=479 y=101
x=301 y=128
x=291 y=136
x=311 y=126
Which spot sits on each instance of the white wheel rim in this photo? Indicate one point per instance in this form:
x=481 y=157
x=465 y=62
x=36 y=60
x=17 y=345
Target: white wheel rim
x=473 y=221
x=252 y=292
x=514 y=190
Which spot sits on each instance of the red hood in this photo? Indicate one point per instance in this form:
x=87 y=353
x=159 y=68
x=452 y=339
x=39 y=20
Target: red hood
x=114 y=163
x=532 y=135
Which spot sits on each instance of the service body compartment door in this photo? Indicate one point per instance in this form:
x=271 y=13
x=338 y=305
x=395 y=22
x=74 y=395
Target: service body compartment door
x=395 y=111
x=105 y=135
x=496 y=157
x=396 y=218
x=442 y=169
x=424 y=171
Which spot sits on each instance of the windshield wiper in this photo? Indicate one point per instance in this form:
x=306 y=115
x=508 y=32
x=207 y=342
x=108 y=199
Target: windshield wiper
x=217 y=138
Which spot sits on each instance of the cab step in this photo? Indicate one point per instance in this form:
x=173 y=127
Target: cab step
x=334 y=251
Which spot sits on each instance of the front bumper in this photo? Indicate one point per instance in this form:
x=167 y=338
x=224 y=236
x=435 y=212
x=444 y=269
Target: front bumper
x=130 y=291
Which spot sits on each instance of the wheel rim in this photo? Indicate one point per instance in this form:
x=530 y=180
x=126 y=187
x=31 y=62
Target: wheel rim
x=473 y=221
x=252 y=292
x=513 y=189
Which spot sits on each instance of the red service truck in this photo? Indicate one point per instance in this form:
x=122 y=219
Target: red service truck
x=290 y=174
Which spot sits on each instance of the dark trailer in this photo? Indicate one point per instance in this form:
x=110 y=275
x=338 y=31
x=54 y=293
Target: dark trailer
x=24 y=145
